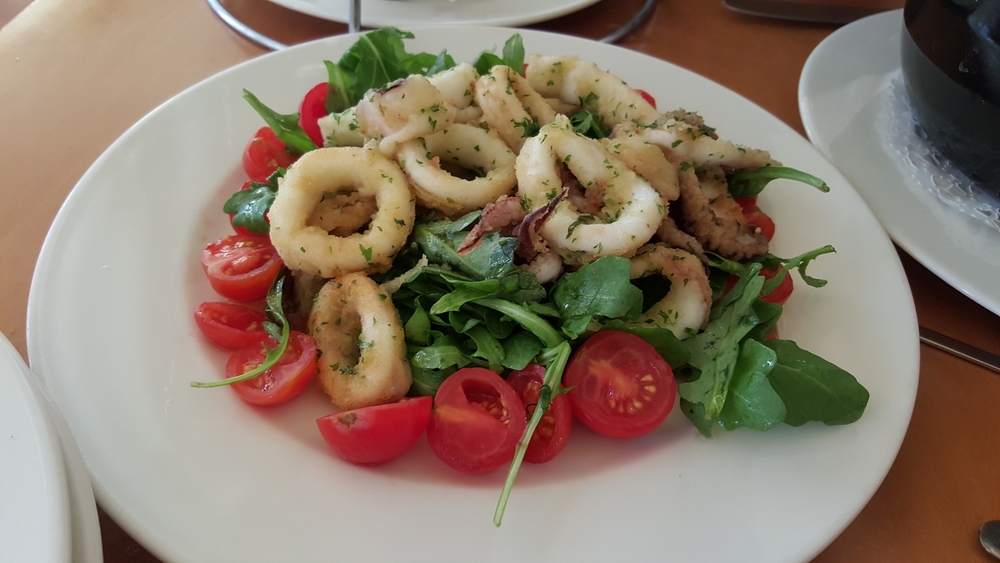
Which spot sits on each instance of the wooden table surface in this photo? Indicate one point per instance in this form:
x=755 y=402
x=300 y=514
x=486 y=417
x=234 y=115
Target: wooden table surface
x=74 y=74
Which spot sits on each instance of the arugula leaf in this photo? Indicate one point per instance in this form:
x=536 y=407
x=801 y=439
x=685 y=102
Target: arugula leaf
x=781 y=267
x=439 y=240
x=511 y=56
x=752 y=402
x=749 y=183
x=814 y=389
x=286 y=126
x=377 y=59
x=341 y=83
x=600 y=289
x=714 y=351
x=557 y=358
x=487 y=347
x=249 y=207
x=418 y=327
x=427 y=381
x=520 y=349
x=445 y=352
x=278 y=329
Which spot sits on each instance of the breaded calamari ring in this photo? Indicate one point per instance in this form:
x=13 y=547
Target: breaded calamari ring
x=684 y=310
x=406 y=109
x=682 y=142
x=648 y=161
x=457 y=85
x=576 y=81
x=483 y=153
x=362 y=351
x=341 y=129
x=511 y=106
x=628 y=212
x=310 y=249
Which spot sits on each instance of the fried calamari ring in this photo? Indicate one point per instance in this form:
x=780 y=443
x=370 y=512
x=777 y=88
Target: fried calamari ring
x=511 y=106
x=576 y=81
x=406 y=109
x=362 y=360
x=341 y=129
x=648 y=161
x=627 y=210
x=310 y=249
x=682 y=142
x=427 y=162
x=686 y=307
x=457 y=85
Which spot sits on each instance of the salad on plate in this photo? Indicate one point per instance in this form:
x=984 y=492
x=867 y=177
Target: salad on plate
x=483 y=252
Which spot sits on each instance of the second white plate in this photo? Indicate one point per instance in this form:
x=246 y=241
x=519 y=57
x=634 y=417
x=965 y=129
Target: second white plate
x=408 y=13
x=843 y=99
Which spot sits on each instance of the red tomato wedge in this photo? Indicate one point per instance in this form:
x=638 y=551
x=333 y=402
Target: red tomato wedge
x=622 y=387
x=312 y=108
x=379 y=433
x=264 y=154
x=647 y=96
x=552 y=432
x=282 y=381
x=230 y=325
x=781 y=293
x=477 y=421
x=756 y=217
x=241 y=267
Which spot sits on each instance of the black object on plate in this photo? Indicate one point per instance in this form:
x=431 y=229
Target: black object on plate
x=950 y=58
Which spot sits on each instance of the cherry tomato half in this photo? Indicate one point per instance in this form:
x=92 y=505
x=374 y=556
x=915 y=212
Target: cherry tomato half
x=622 y=387
x=282 y=381
x=241 y=267
x=781 y=293
x=756 y=217
x=230 y=325
x=312 y=108
x=264 y=154
x=379 y=433
x=477 y=421
x=552 y=432
x=648 y=97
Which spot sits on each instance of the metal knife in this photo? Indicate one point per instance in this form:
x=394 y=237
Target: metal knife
x=805 y=10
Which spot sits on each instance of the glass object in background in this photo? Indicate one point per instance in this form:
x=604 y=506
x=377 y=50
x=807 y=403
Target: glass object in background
x=951 y=66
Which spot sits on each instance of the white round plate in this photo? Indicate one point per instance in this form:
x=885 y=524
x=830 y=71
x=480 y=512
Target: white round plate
x=35 y=519
x=197 y=475
x=409 y=13
x=841 y=96
x=85 y=526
